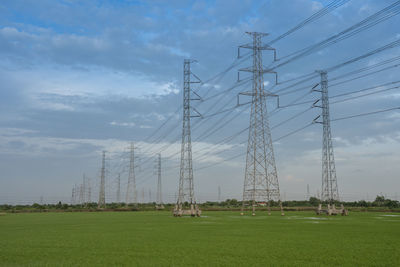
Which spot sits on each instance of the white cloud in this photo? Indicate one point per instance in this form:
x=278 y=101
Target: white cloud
x=123 y=124
x=315 y=6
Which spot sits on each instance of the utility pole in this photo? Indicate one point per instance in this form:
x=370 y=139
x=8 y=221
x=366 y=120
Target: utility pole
x=131 y=194
x=330 y=192
x=308 y=192
x=119 y=188
x=186 y=186
x=159 y=204
x=143 y=200
x=261 y=177
x=219 y=193
x=102 y=192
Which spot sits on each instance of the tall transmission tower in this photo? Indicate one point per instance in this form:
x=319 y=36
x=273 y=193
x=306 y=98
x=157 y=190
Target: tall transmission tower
x=131 y=194
x=149 y=195
x=186 y=186
x=89 y=200
x=330 y=192
x=261 y=177
x=73 y=196
x=119 y=188
x=102 y=192
x=159 y=204
x=81 y=194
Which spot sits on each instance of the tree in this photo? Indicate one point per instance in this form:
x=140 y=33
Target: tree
x=314 y=201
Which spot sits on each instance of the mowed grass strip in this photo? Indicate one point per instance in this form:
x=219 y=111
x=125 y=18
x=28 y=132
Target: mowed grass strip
x=216 y=239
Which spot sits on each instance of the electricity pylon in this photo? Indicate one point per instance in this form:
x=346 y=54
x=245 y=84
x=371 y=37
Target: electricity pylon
x=81 y=194
x=261 y=177
x=186 y=186
x=89 y=191
x=102 y=192
x=131 y=194
x=330 y=192
x=149 y=195
x=159 y=204
x=73 y=195
x=119 y=188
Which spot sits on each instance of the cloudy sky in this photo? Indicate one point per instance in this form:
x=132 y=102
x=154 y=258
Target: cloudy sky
x=79 y=77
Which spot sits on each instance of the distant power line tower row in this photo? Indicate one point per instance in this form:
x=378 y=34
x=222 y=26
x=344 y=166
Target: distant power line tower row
x=186 y=186
x=261 y=179
x=81 y=194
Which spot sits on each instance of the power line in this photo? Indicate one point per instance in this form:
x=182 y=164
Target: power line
x=365 y=114
x=320 y=13
x=370 y=21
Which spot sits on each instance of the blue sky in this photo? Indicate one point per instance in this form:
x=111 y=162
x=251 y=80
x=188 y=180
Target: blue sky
x=79 y=77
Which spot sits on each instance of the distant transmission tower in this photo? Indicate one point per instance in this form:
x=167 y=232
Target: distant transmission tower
x=81 y=194
x=73 y=196
x=159 y=204
x=119 y=188
x=84 y=185
x=330 y=192
x=149 y=195
x=219 y=193
x=261 y=178
x=102 y=192
x=89 y=200
x=131 y=194
x=186 y=186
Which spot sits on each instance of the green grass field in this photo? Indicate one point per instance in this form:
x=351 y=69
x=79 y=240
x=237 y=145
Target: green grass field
x=216 y=239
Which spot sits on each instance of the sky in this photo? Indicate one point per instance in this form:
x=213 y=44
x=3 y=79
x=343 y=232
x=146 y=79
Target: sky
x=80 y=77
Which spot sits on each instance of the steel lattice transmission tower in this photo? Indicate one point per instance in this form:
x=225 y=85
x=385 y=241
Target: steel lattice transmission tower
x=102 y=192
x=330 y=192
x=261 y=178
x=159 y=194
x=131 y=193
x=186 y=186
x=119 y=188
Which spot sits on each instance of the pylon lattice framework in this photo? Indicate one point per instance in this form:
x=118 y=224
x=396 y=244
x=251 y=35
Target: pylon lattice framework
x=102 y=192
x=261 y=178
x=119 y=188
x=330 y=190
x=159 y=194
x=131 y=193
x=186 y=186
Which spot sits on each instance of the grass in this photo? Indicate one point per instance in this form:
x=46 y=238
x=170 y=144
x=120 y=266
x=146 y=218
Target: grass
x=216 y=239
